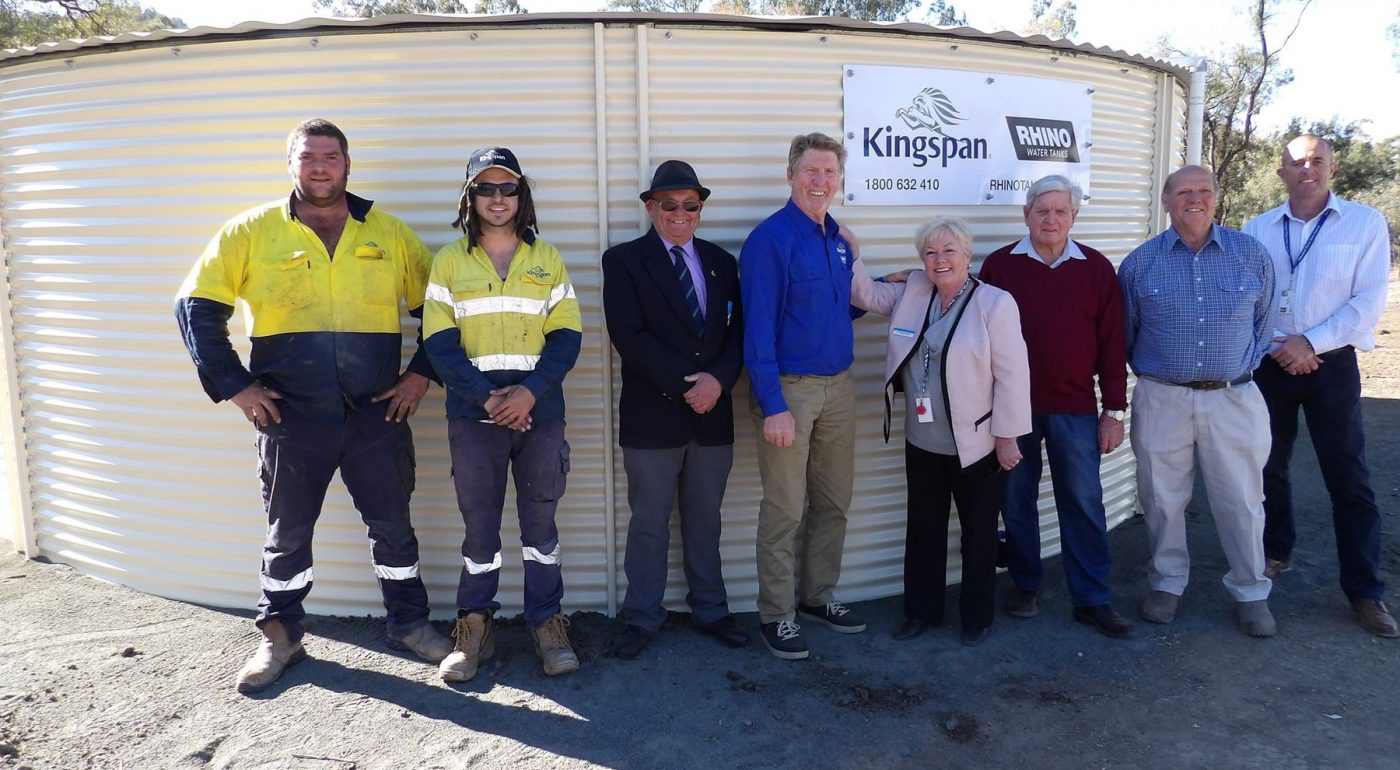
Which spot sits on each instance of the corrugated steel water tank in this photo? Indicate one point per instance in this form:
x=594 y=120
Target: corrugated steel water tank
x=120 y=158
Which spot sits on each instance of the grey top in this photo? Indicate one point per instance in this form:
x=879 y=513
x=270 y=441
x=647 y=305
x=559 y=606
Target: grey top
x=936 y=436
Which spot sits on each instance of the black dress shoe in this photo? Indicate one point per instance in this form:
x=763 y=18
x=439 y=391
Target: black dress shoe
x=1103 y=618
x=972 y=638
x=629 y=644
x=912 y=627
x=727 y=630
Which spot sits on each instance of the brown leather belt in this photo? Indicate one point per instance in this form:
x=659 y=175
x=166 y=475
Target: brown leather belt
x=1206 y=384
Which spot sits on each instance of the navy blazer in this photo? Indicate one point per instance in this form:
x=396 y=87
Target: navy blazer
x=650 y=326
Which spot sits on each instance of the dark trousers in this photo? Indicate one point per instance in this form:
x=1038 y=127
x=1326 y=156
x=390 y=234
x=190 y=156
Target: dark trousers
x=1072 y=443
x=655 y=478
x=539 y=460
x=1330 y=398
x=979 y=491
x=298 y=457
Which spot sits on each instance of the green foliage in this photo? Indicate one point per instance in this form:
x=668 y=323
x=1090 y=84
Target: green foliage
x=1239 y=83
x=871 y=10
x=498 y=7
x=1367 y=172
x=942 y=13
x=364 y=9
x=1393 y=32
x=664 y=6
x=1053 y=19
x=31 y=22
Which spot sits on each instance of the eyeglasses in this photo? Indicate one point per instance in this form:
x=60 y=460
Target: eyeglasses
x=488 y=189
x=690 y=206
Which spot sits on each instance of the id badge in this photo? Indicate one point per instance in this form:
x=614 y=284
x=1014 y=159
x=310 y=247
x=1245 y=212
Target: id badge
x=923 y=409
x=1284 y=301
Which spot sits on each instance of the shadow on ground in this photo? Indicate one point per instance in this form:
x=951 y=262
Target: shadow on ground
x=93 y=675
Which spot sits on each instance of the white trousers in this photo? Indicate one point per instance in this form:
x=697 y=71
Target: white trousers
x=1229 y=429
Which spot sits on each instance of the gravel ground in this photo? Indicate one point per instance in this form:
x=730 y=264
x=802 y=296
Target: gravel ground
x=97 y=676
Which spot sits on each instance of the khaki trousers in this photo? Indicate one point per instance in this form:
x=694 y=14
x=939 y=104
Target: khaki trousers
x=1229 y=430
x=806 y=493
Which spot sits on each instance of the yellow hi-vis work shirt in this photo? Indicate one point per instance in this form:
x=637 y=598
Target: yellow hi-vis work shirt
x=326 y=331
x=525 y=329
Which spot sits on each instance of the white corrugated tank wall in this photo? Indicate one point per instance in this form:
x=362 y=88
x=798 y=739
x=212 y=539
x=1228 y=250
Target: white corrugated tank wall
x=116 y=168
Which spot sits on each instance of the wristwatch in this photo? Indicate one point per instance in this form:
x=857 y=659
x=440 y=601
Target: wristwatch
x=1115 y=414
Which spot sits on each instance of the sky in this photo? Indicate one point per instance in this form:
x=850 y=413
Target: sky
x=1340 y=56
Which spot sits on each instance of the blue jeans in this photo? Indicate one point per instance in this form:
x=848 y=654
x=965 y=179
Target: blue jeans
x=1072 y=442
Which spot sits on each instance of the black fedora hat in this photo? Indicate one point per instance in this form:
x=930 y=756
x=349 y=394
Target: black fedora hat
x=675 y=175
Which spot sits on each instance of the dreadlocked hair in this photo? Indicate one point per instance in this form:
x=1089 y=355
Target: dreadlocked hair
x=525 y=225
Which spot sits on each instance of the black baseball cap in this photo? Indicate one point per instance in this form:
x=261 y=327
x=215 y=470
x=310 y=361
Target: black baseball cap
x=493 y=157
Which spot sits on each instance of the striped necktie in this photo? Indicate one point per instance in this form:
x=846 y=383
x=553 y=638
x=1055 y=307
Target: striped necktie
x=688 y=289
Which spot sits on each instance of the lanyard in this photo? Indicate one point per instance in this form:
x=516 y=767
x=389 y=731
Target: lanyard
x=935 y=317
x=1288 y=240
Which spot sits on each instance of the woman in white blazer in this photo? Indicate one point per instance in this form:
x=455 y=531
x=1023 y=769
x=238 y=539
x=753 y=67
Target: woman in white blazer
x=954 y=349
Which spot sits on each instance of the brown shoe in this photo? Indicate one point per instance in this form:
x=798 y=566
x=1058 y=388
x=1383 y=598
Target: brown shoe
x=1375 y=617
x=1273 y=567
x=276 y=652
x=552 y=645
x=475 y=643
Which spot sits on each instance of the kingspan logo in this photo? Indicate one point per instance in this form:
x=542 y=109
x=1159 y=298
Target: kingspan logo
x=930 y=110
x=1043 y=139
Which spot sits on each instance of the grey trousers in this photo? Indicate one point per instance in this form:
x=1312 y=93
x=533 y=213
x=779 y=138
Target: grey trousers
x=655 y=478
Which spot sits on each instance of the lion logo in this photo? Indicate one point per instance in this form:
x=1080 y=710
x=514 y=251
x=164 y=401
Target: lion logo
x=931 y=109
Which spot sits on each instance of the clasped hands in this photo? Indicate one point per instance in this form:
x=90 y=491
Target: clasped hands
x=1295 y=355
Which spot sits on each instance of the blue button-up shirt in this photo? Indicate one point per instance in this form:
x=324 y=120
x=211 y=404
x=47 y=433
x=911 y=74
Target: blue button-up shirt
x=795 y=277
x=1197 y=316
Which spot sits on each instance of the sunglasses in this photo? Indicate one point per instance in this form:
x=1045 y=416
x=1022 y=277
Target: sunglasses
x=488 y=189
x=690 y=206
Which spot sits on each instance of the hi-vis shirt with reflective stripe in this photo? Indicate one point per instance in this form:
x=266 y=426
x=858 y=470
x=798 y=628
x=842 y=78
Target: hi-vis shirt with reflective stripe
x=502 y=325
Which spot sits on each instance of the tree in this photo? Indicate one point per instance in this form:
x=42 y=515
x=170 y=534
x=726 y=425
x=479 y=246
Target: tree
x=664 y=6
x=1393 y=32
x=871 y=10
x=1239 y=83
x=942 y=13
x=1053 y=18
x=31 y=22
x=364 y=9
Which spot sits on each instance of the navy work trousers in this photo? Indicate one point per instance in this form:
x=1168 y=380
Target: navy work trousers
x=539 y=460
x=1331 y=401
x=298 y=457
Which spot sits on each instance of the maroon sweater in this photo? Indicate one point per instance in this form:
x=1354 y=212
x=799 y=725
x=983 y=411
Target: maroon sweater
x=1072 y=319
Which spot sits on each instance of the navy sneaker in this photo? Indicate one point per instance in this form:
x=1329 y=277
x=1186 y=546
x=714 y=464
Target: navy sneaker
x=784 y=639
x=837 y=616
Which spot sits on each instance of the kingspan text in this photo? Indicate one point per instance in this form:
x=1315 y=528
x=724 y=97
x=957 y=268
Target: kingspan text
x=885 y=143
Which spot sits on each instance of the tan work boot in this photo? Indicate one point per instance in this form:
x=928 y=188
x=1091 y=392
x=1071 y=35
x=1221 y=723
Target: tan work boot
x=552 y=645
x=475 y=644
x=276 y=652
x=424 y=642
